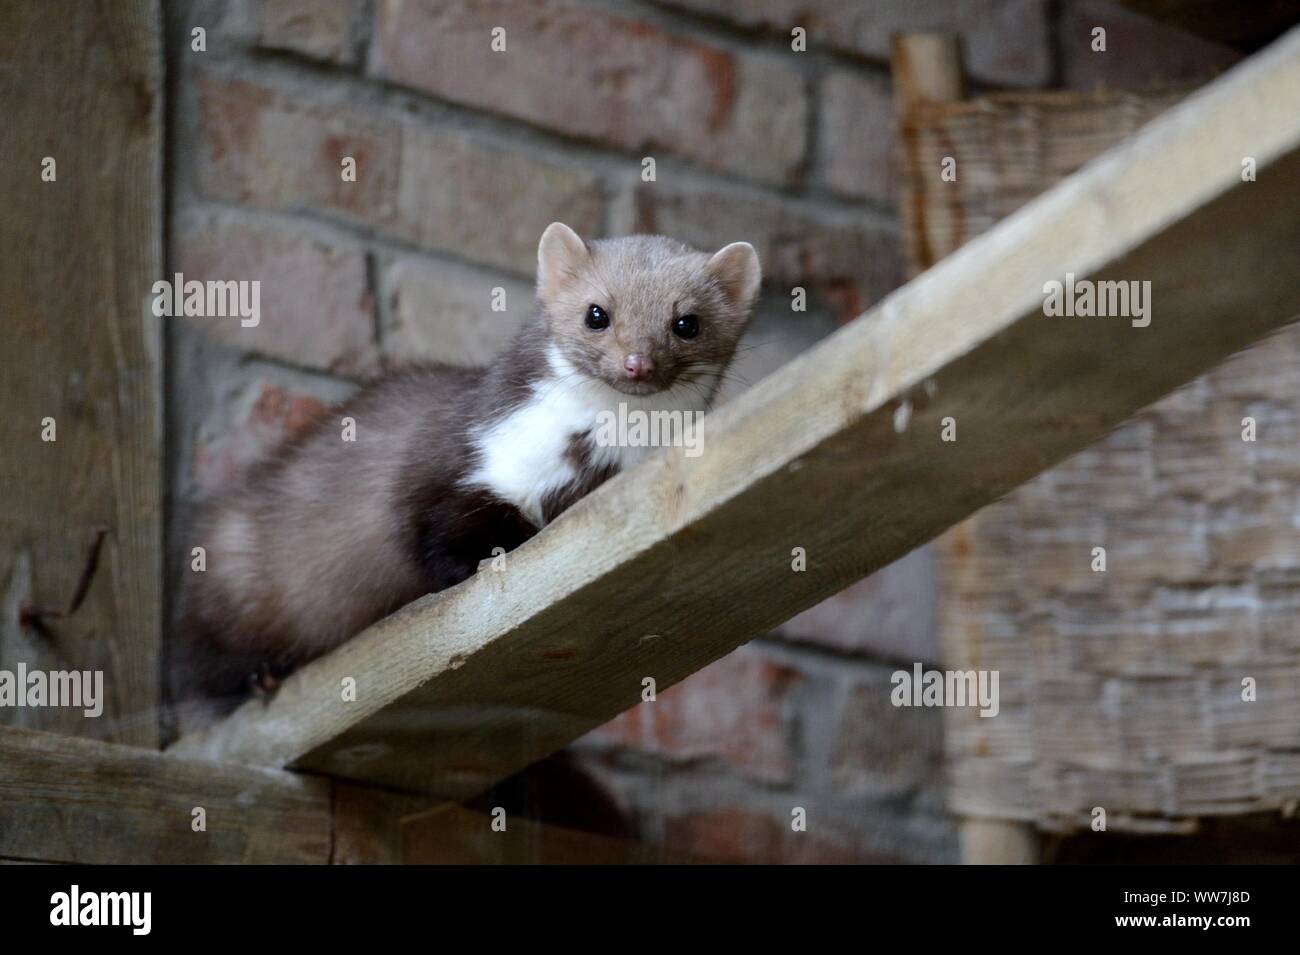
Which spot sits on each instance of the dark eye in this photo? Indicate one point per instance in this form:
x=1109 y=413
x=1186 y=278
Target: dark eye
x=597 y=317
x=686 y=326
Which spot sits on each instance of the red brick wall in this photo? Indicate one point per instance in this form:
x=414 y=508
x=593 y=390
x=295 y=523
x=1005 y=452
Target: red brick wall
x=463 y=156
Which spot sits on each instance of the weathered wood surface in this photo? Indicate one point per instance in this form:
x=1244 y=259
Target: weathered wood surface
x=1246 y=26
x=81 y=84
x=674 y=564
x=369 y=824
x=64 y=799
x=452 y=835
x=375 y=826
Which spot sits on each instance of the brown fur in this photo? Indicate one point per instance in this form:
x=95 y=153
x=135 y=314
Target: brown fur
x=329 y=536
x=644 y=282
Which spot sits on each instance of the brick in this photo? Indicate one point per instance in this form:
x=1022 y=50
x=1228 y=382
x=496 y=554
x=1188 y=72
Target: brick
x=434 y=186
x=849 y=259
x=856 y=136
x=587 y=72
x=1140 y=53
x=740 y=834
x=890 y=614
x=474 y=199
x=881 y=749
x=1006 y=41
x=443 y=312
x=732 y=711
x=316 y=309
x=272 y=149
x=320 y=29
x=269 y=416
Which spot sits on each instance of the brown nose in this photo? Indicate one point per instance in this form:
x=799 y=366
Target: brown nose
x=639 y=367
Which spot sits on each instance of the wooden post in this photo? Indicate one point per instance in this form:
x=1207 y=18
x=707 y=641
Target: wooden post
x=998 y=842
x=926 y=70
x=80 y=380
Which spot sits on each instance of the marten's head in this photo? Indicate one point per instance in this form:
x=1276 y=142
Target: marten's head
x=645 y=312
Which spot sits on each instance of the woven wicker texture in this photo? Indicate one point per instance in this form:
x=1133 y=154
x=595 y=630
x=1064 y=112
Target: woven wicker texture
x=1120 y=689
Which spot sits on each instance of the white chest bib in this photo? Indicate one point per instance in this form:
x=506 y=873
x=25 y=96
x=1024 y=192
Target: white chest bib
x=522 y=458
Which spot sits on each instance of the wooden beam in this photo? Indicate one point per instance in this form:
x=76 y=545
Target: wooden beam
x=64 y=799
x=368 y=825
x=375 y=826
x=672 y=565
x=81 y=85
x=453 y=835
x=925 y=69
x=1245 y=26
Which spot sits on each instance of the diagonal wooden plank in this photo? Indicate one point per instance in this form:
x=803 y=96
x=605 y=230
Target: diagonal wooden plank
x=674 y=564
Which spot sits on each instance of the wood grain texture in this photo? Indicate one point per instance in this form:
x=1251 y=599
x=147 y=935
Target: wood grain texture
x=926 y=68
x=81 y=83
x=64 y=799
x=376 y=826
x=368 y=824
x=673 y=564
x=453 y=835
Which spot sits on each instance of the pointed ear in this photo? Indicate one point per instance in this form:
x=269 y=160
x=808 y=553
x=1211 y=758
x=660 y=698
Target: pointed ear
x=560 y=253
x=736 y=267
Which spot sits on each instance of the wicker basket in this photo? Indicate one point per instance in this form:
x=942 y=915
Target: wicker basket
x=1120 y=689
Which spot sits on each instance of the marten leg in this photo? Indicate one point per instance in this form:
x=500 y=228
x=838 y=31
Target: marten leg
x=264 y=682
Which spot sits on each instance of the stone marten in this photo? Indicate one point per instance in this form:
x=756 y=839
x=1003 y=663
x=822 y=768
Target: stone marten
x=449 y=463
